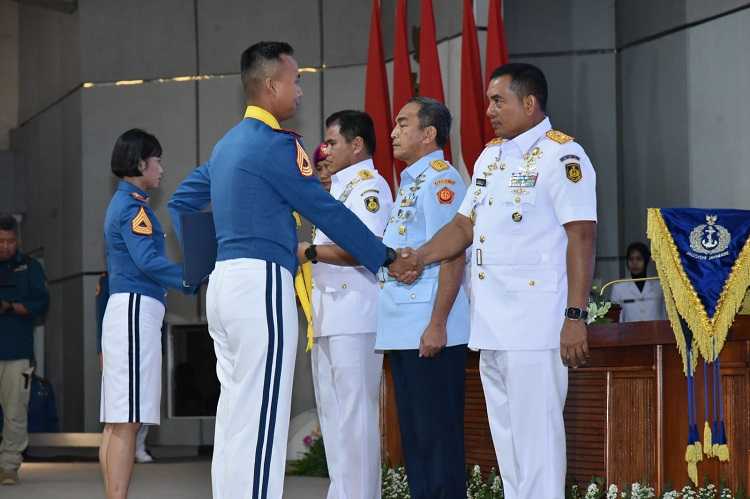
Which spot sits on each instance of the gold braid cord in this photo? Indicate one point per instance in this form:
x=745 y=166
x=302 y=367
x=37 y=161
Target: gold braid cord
x=709 y=334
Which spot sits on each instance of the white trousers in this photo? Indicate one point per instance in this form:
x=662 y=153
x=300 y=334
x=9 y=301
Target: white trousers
x=252 y=318
x=525 y=393
x=346 y=375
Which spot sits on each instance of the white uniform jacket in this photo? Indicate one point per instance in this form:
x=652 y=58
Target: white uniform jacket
x=345 y=299
x=647 y=305
x=522 y=193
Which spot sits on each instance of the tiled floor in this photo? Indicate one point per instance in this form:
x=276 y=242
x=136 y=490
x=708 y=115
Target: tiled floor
x=165 y=480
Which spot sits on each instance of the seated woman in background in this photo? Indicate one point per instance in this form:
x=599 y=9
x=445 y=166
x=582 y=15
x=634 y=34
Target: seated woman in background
x=640 y=301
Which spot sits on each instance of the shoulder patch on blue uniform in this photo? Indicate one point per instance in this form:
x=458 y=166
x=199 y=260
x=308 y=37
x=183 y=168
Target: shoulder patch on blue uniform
x=438 y=165
x=141 y=224
x=303 y=161
x=139 y=197
x=445 y=195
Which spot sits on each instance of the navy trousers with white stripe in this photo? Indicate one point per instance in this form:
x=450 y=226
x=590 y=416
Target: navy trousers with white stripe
x=252 y=318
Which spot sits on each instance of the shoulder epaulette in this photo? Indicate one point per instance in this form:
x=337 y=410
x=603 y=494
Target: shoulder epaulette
x=559 y=137
x=139 y=197
x=365 y=174
x=438 y=165
x=290 y=132
x=495 y=141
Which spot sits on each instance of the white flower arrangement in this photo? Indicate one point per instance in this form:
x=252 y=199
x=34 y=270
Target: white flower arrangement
x=396 y=486
x=598 y=311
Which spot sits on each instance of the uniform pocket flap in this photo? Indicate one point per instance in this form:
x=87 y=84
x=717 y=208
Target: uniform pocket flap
x=419 y=292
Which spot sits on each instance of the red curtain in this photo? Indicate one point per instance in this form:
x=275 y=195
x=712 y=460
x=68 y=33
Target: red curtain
x=472 y=92
x=403 y=86
x=377 y=102
x=430 y=79
x=497 y=52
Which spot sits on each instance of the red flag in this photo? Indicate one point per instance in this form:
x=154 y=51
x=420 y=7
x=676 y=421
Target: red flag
x=430 y=79
x=403 y=87
x=497 y=53
x=377 y=102
x=472 y=93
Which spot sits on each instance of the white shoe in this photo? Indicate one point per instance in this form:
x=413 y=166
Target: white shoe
x=143 y=457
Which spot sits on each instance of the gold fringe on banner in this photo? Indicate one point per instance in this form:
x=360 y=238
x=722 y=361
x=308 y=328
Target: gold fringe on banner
x=686 y=300
x=708 y=447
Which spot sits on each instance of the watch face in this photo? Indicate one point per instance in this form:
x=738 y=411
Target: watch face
x=573 y=313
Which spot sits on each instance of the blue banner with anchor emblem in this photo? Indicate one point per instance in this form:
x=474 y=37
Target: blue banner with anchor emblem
x=703 y=260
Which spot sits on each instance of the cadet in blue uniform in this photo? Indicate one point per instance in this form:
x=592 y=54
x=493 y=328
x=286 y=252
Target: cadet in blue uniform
x=139 y=274
x=23 y=298
x=424 y=327
x=256 y=176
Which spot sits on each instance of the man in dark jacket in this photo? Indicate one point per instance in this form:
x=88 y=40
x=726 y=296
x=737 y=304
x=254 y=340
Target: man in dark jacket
x=23 y=298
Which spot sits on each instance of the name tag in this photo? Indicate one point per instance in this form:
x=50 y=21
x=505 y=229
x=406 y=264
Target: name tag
x=522 y=179
x=481 y=182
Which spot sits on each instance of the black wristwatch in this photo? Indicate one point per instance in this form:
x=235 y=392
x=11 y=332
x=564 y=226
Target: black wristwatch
x=390 y=257
x=576 y=314
x=311 y=253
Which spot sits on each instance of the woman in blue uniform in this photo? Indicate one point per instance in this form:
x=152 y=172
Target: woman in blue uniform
x=139 y=274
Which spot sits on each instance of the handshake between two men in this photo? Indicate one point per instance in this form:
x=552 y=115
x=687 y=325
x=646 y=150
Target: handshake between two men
x=406 y=268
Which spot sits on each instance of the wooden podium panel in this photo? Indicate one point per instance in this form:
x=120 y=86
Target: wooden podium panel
x=626 y=411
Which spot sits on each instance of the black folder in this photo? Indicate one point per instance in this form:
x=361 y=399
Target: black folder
x=198 y=246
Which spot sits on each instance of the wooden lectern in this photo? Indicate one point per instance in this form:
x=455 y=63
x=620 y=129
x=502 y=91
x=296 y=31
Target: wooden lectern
x=626 y=412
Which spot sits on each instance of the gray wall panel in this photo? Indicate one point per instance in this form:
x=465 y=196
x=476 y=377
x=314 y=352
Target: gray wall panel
x=49 y=61
x=166 y=110
x=9 y=69
x=655 y=153
x=221 y=104
x=227 y=27
x=637 y=19
x=344 y=88
x=719 y=113
x=346 y=27
x=137 y=39
x=582 y=103
x=544 y=26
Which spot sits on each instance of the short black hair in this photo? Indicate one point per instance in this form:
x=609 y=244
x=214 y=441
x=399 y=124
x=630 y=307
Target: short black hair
x=9 y=223
x=434 y=113
x=132 y=147
x=353 y=124
x=254 y=58
x=640 y=248
x=526 y=79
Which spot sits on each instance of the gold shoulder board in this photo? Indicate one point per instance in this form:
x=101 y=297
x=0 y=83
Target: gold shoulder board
x=365 y=174
x=559 y=137
x=495 y=141
x=439 y=165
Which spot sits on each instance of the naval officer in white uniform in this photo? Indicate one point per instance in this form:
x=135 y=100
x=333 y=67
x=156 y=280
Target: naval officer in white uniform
x=530 y=214
x=346 y=368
